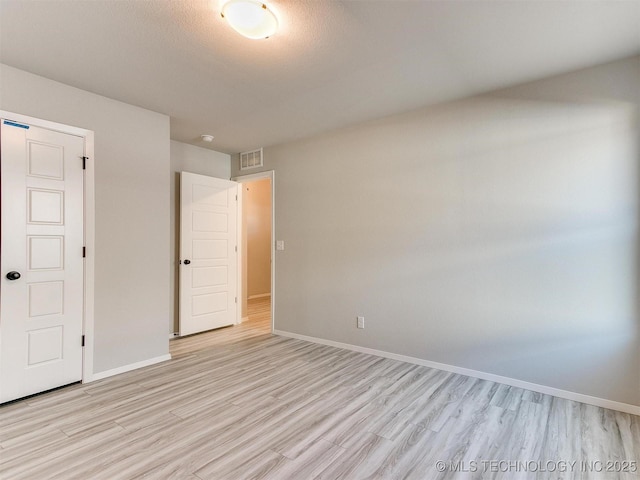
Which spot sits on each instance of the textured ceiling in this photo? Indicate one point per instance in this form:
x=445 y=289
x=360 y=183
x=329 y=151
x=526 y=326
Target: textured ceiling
x=331 y=64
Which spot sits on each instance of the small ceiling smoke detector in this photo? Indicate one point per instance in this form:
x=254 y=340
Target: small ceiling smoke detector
x=207 y=138
x=250 y=18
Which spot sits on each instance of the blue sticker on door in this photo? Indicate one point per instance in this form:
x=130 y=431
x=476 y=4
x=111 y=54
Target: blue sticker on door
x=14 y=124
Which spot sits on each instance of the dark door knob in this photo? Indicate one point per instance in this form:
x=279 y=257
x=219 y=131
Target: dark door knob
x=13 y=275
x=187 y=262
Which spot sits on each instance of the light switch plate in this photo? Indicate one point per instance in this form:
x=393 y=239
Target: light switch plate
x=280 y=245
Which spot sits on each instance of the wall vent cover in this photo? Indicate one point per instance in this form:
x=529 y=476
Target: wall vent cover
x=252 y=159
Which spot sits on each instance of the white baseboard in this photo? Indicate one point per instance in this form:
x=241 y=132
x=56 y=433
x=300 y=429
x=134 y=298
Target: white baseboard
x=262 y=295
x=556 y=392
x=128 y=368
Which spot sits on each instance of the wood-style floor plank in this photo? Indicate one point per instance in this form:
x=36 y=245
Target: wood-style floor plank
x=239 y=403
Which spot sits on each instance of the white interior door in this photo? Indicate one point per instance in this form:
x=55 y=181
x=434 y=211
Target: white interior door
x=208 y=253
x=41 y=259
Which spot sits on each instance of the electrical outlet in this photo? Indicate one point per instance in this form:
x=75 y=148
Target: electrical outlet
x=360 y=322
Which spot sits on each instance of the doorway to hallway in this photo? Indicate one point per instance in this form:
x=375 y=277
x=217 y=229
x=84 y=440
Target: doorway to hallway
x=257 y=244
x=256 y=316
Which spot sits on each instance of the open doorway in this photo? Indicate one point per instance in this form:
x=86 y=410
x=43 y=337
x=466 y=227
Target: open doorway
x=256 y=250
x=255 y=315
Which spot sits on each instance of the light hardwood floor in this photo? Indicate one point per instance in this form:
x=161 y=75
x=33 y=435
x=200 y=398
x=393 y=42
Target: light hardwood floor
x=239 y=403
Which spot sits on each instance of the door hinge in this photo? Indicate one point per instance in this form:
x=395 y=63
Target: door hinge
x=236 y=299
x=83 y=340
x=236 y=248
x=236 y=198
x=84 y=252
x=84 y=162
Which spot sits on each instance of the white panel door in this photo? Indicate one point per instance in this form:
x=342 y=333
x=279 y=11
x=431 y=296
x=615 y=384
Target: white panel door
x=41 y=259
x=208 y=253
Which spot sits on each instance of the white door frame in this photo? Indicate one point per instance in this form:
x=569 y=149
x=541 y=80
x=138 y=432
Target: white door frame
x=89 y=228
x=270 y=174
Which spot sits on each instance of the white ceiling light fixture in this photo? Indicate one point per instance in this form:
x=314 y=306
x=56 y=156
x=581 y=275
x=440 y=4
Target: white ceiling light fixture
x=250 y=18
x=207 y=138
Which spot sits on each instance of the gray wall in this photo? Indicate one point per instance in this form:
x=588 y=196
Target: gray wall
x=497 y=233
x=132 y=211
x=187 y=158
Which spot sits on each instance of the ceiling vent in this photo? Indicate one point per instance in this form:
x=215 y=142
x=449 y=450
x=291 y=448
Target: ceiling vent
x=252 y=159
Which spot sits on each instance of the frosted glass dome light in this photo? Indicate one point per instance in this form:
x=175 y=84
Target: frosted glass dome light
x=250 y=18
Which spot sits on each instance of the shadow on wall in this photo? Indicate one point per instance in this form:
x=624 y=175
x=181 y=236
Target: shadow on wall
x=510 y=247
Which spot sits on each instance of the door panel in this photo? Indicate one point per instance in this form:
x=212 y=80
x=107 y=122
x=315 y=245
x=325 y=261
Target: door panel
x=208 y=277
x=42 y=239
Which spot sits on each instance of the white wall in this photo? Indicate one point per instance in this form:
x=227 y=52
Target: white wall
x=497 y=233
x=132 y=211
x=188 y=158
